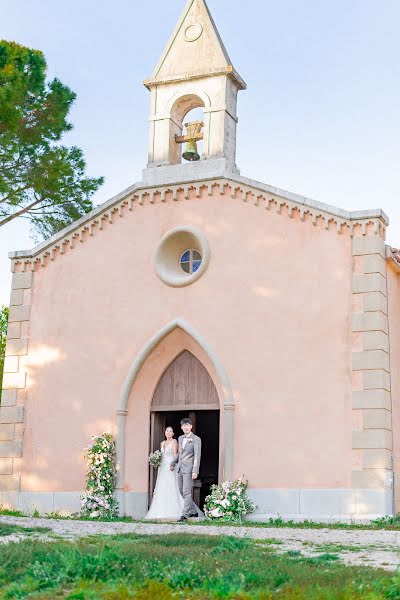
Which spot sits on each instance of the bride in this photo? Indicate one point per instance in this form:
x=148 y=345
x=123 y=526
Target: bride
x=167 y=502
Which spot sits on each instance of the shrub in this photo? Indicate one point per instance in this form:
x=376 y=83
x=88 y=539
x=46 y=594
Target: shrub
x=229 y=501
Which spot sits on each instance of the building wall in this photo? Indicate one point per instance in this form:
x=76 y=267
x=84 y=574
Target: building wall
x=274 y=303
x=393 y=280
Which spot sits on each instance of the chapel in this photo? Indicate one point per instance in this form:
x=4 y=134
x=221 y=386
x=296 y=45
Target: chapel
x=272 y=320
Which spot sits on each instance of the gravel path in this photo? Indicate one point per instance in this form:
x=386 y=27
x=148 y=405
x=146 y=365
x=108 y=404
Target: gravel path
x=354 y=546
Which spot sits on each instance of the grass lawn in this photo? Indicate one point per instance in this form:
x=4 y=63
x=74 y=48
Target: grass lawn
x=6 y=529
x=180 y=566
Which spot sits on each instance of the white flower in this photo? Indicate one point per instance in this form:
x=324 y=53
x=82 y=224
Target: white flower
x=95 y=513
x=215 y=513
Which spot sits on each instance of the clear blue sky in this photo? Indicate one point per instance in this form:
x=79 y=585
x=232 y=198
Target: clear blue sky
x=320 y=117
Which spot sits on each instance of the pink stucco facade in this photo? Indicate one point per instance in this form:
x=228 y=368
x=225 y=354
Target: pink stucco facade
x=275 y=304
x=293 y=314
x=275 y=292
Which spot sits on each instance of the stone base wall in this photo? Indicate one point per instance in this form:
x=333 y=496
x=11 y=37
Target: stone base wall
x=294 y=504
x=336 y=504
x=133 y=504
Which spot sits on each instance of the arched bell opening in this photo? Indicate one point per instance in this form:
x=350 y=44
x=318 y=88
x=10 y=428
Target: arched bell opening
x=187 y=129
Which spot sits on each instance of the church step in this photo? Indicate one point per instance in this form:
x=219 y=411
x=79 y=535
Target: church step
x=11 y=414
x=9 y=483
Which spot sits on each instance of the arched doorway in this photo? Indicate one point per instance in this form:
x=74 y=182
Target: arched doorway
x=186 y=389
x=135 y=402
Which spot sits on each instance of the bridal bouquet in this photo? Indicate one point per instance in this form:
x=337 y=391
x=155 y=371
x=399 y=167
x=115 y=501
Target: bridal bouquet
x=229 y=501
x=155 y=458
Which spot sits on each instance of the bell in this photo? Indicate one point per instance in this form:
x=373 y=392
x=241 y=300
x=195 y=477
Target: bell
x=191 y=153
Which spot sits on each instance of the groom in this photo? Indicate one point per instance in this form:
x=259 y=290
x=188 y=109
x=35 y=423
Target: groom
x=188 y=461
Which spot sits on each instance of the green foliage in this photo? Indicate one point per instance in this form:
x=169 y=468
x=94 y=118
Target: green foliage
x=3 y=339
x=389 y=522
x=40 y=180
x=10 y=512
x=180 y=567
x=7 y=529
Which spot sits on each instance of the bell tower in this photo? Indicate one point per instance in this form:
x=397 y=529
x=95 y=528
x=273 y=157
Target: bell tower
x=194 y=71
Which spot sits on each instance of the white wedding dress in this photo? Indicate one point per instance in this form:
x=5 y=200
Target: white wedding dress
x=167 y=502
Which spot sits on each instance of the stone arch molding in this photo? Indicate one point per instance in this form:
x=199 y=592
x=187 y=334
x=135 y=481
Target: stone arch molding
x=192 y=98
x=122 y=411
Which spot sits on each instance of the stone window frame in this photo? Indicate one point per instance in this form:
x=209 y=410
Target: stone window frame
x=171 y=247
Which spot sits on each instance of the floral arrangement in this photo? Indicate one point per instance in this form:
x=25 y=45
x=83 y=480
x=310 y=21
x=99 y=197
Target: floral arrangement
x=229 y=501
x=155 y=458
x=98 y=500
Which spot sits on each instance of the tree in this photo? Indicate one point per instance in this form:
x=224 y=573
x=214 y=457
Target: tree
x=3 y=337
x=40 y=180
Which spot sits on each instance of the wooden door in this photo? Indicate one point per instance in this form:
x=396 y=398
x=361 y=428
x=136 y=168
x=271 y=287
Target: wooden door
x=184 y=388
x=157 y=428
x=185 y=385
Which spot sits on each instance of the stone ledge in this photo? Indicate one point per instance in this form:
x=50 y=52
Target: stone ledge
x=371 y=438
x=377 y=419
x=375 y=302
x=10 y=449
x=14 y=330
x=371 y=321
x=13 y=381
x=374 y=263
x=378 y=379
x=21 y=281
x=17 y=347
x=375 y=340
x=10 y=483
x=370 y=359
x=368 y=282
x=6 y=466
x=370 y=478
x=9 y=398
x=377 y=458
x=374 y=398
x=11 y=414
x=11 y=364
x=7 y=432
x=19 y=313
x=369 y=245
x=16 y=297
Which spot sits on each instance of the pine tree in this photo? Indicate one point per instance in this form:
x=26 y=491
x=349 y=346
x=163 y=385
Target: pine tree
x=40 y=179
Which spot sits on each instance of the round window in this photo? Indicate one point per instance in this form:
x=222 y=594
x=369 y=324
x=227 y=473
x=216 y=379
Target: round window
x=190 y=261
x=182 y=256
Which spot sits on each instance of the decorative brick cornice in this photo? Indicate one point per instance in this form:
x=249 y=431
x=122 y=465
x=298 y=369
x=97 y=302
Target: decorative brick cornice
x=393 y=254
x=272 y=199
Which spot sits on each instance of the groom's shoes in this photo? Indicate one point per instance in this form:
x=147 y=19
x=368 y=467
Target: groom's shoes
x=193 y=515
x=181 y=519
